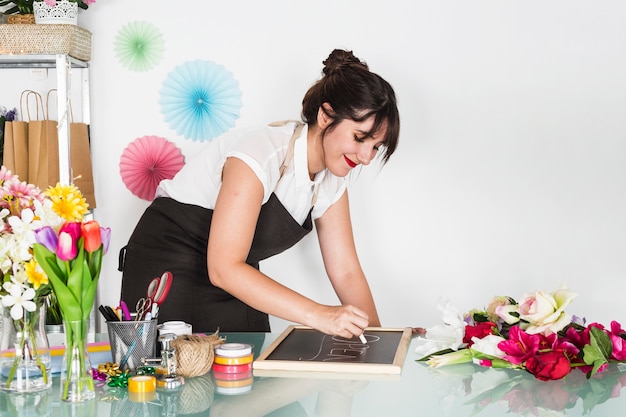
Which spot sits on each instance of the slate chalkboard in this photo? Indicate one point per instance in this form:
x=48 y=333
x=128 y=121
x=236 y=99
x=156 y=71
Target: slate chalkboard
x=305 y=349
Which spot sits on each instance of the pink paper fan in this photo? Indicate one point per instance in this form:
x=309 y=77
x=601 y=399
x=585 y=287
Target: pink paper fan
x=146 y=161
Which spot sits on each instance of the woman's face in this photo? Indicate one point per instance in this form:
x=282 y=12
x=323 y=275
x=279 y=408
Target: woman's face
x=346 y=146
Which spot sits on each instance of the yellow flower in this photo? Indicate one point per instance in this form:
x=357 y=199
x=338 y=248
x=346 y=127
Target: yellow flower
x=67 y=202
x=35 y=274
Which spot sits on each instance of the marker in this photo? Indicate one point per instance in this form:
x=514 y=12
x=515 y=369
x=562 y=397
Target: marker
x=363 y=339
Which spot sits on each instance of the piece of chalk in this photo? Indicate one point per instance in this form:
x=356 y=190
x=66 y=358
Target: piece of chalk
x=363 y=339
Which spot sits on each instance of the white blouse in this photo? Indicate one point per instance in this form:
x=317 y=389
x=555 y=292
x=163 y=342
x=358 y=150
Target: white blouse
x=263 y=150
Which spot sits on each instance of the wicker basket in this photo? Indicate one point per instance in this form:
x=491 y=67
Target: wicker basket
x=25 y=19
x=28 y=39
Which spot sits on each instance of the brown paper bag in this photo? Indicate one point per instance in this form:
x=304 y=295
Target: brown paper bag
x=80 y=158
x=43 y=142
x=43 y=153
x=15 y=155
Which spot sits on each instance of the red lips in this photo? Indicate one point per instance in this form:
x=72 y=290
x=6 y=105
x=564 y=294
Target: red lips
x=349 y=162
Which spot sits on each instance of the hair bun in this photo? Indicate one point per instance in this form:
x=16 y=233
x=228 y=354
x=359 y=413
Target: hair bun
x=339 y=59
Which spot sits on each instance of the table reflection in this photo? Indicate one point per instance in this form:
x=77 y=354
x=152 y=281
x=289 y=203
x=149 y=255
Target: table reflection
x=520 y=393
x=452 y=391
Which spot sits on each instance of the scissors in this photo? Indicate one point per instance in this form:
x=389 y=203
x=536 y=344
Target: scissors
x=143 y=307
x=159 y=287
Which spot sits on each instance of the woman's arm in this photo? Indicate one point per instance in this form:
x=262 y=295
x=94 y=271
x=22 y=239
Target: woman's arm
x=232 y=231
x=342 y=264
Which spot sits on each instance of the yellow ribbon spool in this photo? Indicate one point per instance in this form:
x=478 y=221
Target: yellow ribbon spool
x=242 y=360
x=142 y=383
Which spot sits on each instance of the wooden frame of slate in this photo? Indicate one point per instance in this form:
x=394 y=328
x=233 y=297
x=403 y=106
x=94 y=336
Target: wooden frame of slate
x=301 y=348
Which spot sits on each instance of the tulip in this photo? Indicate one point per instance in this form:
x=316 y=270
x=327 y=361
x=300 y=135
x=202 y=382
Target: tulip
x=91 y=235
x=105 y=236
x=67 y=247
x=47 y=237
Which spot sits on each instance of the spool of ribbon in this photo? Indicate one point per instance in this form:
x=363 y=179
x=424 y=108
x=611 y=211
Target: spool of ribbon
x=142 y=388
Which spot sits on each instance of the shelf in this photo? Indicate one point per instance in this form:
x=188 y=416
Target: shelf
x=38 y=61
x=63 y=64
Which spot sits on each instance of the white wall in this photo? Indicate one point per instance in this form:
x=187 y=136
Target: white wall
x=509 y=174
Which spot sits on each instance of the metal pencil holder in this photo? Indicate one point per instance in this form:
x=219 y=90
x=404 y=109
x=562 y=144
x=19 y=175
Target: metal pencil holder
x=131 y=341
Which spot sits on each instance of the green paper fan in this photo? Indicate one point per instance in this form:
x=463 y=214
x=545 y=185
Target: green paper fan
x=139 y=46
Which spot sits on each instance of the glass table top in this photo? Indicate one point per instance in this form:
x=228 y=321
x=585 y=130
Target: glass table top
x=455 y=391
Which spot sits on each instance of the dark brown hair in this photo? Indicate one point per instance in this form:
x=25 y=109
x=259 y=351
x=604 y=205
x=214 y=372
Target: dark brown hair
x=356 y=93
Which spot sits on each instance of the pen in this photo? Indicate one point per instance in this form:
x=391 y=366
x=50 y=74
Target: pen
x=112 y=314
x=108 y=316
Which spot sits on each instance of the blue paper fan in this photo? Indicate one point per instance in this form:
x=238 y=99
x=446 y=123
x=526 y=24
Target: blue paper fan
x=200 y=100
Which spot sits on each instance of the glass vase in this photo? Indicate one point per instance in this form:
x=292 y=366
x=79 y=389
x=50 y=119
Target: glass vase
x=76 y=376
x=24 y=351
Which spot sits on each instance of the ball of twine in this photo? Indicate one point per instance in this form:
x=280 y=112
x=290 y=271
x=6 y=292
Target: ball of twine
x=194 y=354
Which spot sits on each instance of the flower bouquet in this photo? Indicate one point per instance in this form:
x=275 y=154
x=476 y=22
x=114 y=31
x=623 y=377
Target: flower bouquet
x=71 y=257
x=25 y=362
x=46 y=246
x=536 y=335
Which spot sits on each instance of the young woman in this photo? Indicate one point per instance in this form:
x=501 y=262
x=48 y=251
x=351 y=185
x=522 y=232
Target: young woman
x=251 y=194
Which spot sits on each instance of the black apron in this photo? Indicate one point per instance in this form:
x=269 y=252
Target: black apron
x=173 y=236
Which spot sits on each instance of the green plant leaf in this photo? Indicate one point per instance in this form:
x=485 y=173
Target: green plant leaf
x=599 y=338
x=598 y=351
x=75 y=277
x=90 y=297
x=47 y=260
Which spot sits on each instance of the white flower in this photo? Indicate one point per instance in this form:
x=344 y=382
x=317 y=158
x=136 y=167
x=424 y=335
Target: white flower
x=545 y=312
x=442 y=337
x=5 y=253
x=18 y=300
x=488 y=345
x=47 y=215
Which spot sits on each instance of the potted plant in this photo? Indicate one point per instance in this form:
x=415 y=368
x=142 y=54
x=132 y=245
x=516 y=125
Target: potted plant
x=12 y=7
x=26 y=6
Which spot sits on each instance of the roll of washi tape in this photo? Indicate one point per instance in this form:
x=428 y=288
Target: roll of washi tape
x=142 y=388
x=232 y=369
x=226 y=360
x=233 y=350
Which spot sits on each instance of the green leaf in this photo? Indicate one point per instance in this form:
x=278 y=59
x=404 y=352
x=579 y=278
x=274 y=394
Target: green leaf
x=90 y=298
x=602 y=340
x=70 y=306
x=441 y=352
x=95 y=261
x=75 y=278
x=598 y=351
x=47 y=260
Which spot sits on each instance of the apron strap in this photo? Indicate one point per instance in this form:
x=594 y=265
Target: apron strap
x=292 y=142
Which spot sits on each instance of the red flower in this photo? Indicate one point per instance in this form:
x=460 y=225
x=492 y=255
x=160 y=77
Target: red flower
x=91 y=234
x=480 y=330
x=548 y=366
x=579 y=339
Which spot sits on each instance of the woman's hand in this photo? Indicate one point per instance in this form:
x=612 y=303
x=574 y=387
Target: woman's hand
x=346 y=321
